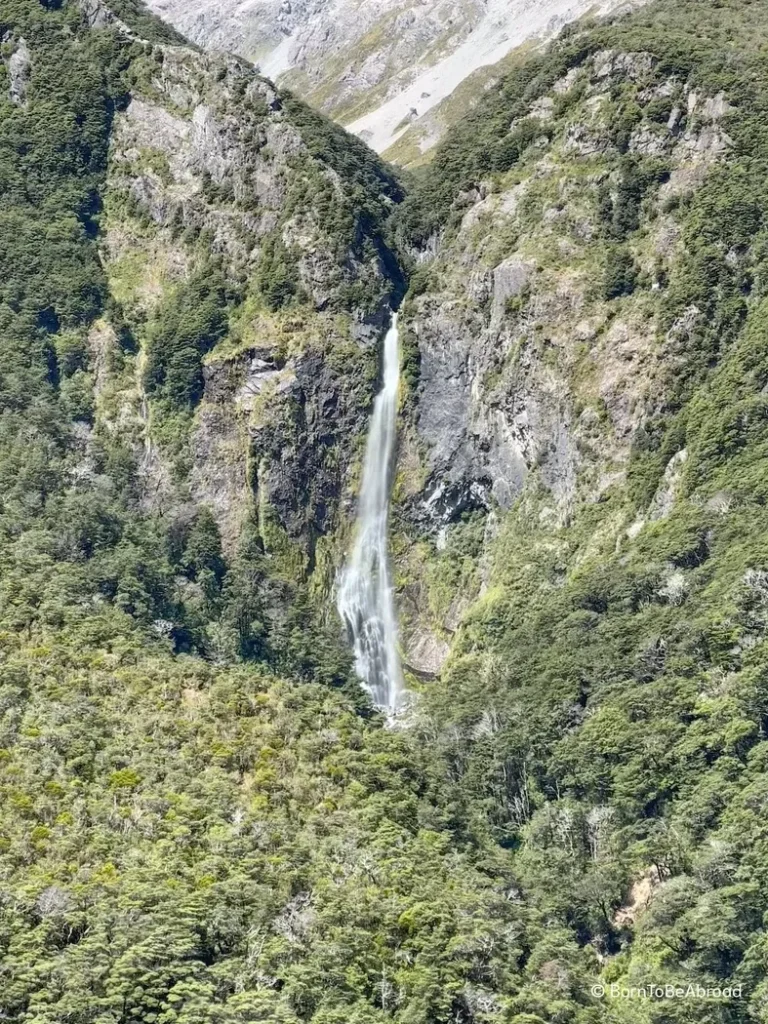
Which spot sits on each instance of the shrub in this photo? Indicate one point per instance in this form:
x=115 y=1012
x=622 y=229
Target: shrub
x=620 y=273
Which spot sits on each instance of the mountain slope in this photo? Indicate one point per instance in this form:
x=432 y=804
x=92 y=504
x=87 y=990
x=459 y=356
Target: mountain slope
x=583 y=475
x=184 y=835
x=374 y=67
x=226 y=244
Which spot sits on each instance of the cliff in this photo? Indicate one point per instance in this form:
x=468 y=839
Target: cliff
x=546 y=326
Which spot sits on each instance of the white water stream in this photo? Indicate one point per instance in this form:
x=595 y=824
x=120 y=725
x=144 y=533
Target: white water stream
x=365 y=599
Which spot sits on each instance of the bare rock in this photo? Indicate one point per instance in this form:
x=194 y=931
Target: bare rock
x=425 y=652
x=715 y=107
x=219 y=477
x=99 y=15
x=103 y=345
x=669 y=488
x=19 y=71
x=510 y=279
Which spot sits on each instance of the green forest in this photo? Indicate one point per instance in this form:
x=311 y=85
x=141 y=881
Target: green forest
x=203 y=820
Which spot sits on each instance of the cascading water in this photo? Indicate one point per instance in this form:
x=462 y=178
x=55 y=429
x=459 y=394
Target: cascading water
x=365 y=599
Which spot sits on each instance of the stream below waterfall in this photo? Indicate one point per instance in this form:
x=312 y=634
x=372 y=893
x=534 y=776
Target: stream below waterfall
x=365 y=596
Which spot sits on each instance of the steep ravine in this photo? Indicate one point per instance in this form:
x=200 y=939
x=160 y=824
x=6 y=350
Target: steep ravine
x=524 y=377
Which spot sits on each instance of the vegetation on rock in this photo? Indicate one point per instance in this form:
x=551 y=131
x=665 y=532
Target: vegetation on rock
x=602 y=705
x=203 y=819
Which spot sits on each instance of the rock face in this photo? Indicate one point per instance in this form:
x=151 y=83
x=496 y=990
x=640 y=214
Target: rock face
x=171 y=161
x=212 y=172
x=535 y=374
x=479 y=450
x=19 y=65
x=376 y=65
x=532 y=339
x=524 y=364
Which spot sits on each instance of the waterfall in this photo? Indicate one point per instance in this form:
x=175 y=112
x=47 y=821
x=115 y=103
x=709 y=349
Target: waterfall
x=365 y=599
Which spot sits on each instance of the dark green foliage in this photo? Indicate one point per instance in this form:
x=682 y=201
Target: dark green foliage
x=27 y=360
x=202 y=551
x=659 y=110
x=353 y=206
x=187 y=326
x=638 y=179
x=277 y=273
x=620 y=272
x=653 y=446
x=245 y=595
x=144 y=23
x=77 y=396
x=726 y=216
x=53 y=152
x=72 y=534
x=627 y=118
x=375 y=185
x=410 y=360
x=509 y=150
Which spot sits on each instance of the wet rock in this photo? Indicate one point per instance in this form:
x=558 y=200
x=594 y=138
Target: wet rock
x=306 y=444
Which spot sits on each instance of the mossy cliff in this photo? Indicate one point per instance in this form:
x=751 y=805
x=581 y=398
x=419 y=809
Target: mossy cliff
x=213 y=273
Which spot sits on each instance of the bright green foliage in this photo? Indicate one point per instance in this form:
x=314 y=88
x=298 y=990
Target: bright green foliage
x=188 y=844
